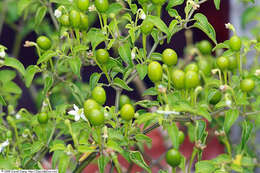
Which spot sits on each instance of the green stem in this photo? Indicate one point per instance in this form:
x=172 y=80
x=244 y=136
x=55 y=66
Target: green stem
x=239 y=63
x=225 y=76
x=158 y=10
x=169 y=78
x=52 y=16
x=173 y=169
x=118 y=93
x=77 y=35
x=106 y=73
x=144 y=36
x=227 y=144
x=194 y=152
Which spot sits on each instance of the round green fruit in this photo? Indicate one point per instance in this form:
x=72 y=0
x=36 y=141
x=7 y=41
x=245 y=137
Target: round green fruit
x=192 y=67
x=205 y=47
x=192 y=79
x=223 y=63
x=247 y=85
x=99 y=95
x=102 y=5
x=96 y=117
x=235 y=43
x=127 y=112
x=43 y=118
x=102 y=56
x=173 y=157
x=74 y=19
x=82 y=4
x=169 y=57
x=124 y=99
x=147 y=27
x=178 y=79
x=89 y=105
x=44 y=42
x=155 y=71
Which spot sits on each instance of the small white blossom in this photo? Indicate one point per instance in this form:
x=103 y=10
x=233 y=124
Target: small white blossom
x=133 y=54
x=2 y=53
x=228 y=103
x=257 y=72
x=142 y=15
x=105 y=135
x=57 y=13
x=214 y=71
x=78 y=113
x=17 y=116
x=222 y=87
x=1 y=62
x=24 y=135
x=227 y=25
x=92 y=8
x=3 y=145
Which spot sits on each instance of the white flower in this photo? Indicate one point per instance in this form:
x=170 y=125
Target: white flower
x=91 y=8
x=257 y=72
x=214 y=71
x=70 y=0
x=222 y=87
x=133 y=54
x=228 y=103
x=142 y=15
x=2 y=53
x=24 y=135
x=78 y=113
x=3 y=145
x=17 y=116
x=57 y=13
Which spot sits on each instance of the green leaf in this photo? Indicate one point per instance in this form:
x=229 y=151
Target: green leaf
x=101 y=164
x=14 y=63
x=46 y=56
x=200 y=129
x=94 y=78
x=120 y=83
x=125 y=53
x=86 y=148
x=173 y=3
x=22 y=4
x=142 y=70
x=246 y=132
x=64 y=163
x=203 y=24
x=230 y=117
x=114 y=8
x=204 y=166
x=8 y=163
x=95 y=36
x=7 y=75
x=11 y=87
x=47 y=84
x=146 y=117
x=202 y=111
x=143 y=138
x=217 y=4
x=163 y=171
x=249 y=15
x=150 y=91
x=222 y=158
x=2 y=101
x=75 y=65
x=133 y=8
x=224 y=45
x=37 y=146
x=39 y=16
x=138 y=159
x=158 y=23
x=114 y=146
x=57 y=147
x=173 y=132
x=29 y=74
x=173 y=13
x=147 y=103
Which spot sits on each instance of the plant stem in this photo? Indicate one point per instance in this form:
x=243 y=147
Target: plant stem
x=83 y=164
x=227 y=144
x=144 y=44
x=52 y=16
x=194 y=152
x=239 y=63
x=118 y=92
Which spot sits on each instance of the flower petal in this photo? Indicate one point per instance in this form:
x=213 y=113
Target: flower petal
x=77 y=117
x=75 y=107
x=72 y=112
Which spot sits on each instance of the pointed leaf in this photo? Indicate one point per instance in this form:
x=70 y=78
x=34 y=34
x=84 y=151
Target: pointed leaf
x=12 y=62
x=159 y=24
x=217 y=4
x=138 y=159
x=39 y=16
x=230 y=117
x=46 y=56
x=29 y=74
x=7 y=75
x=120 y=83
